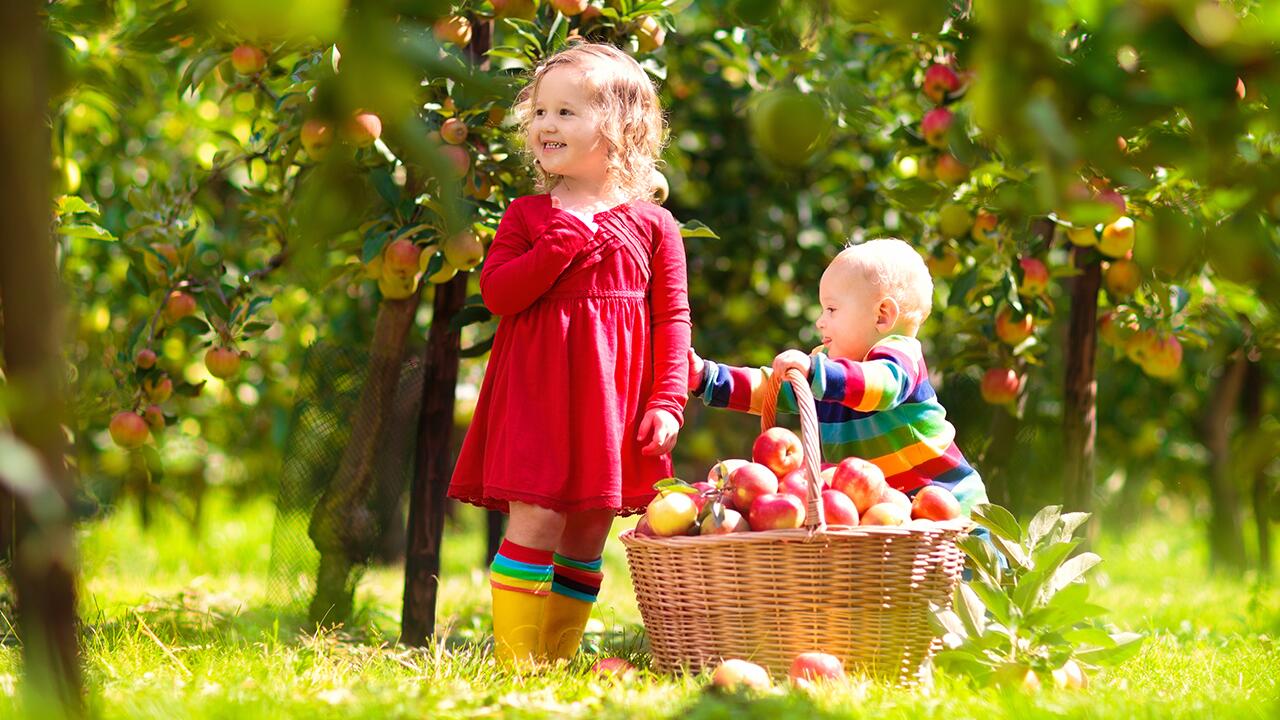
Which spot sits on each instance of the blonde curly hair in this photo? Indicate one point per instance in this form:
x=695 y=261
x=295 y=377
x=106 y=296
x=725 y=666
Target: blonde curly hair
x=631 y=120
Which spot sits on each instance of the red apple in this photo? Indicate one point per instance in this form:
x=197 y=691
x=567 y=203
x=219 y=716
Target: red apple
x=935 y=125
x=719 y=476
x=750 y=482
x=154 y=417
x=1035 y=277
x=812 y=667
x=177 y=306
x=613 y=667
x=888 y=513
x=700 y=498
x=950 y=170
x=897 y=497
x=128 y=429
x=222 y=362
x=773 y=511
x=733 y=522
x=985 y=225
x=1116 y=201
x=838 y=508
x=453 y=131
x=1000 y=386
x=455 y=29
x=1122 y=277
x=145 y=359
x=458 y=161
x=732 y=675
x=779 y=450
x=939 y=82
x=248 y=60
x=364 y=129
x=316 y=138
x=671 y=514
x=1163 y=357
x=1011 y=330
x=569 y=7
x=158 y=390
x=650 y=35
x=643 y=529
x=795 y=483
x=862 y=480
x=934 y=502
x=400 y=259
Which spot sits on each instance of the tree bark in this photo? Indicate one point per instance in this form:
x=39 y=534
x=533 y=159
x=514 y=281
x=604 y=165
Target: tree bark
x=1226 y=536
x=1080 y=391
x=433 y=467
x=40 y=546
x=342 y=526
x=1258 y=455
x=995 y=460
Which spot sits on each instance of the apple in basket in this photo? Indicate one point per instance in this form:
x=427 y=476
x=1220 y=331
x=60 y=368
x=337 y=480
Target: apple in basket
x=642 y=527
x=731 y=522
x=705 y=492
x=934 y=502
x=885 y=513
x=719 y=473
x=811 y=667
x=897 y=497
x=779 y=450
x=838 y=509
x=795 y=483
x=733 y=675
x=750 y=482
x=671 y=513
x=828 y=474
x=862 y=480
x=776 y=511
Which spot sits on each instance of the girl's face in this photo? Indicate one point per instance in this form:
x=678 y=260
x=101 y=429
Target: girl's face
x=564 y=132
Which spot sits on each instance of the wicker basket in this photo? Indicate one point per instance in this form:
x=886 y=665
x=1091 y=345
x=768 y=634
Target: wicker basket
x=862 y=594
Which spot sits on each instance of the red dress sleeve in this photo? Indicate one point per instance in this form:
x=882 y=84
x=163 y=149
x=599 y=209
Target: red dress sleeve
x=519 y=267
x=669 y=317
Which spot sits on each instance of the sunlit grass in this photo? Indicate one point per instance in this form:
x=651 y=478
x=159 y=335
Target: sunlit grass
x=179 y=624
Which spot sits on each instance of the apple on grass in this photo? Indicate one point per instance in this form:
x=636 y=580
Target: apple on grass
x=779 y=450
x=810 y=667
x=613 y=667
x=776 y=511
x=749 y=482
x=733 y=675
x=862 y=480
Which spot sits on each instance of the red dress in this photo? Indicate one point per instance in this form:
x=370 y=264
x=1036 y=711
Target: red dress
x=594 y=331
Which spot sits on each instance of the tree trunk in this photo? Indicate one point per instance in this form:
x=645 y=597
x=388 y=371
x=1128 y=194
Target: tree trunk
x=342 y=526
x=1080 y=391
x=1226 y=536
x=433 y=467
x=995 y=460
x=40 y=547
x=1259 y=453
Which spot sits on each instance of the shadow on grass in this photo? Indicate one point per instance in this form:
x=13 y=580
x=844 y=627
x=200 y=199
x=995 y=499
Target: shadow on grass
x=738 y=706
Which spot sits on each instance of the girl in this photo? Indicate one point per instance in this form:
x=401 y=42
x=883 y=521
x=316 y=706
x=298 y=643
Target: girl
x=584 y=392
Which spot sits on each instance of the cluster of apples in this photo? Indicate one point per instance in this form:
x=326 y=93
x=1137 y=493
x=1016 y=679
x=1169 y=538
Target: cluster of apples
x=942 y=84
x=1156 y=350
x=402 y=263
x=771 y=492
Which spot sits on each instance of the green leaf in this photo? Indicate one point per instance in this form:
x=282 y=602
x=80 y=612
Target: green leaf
x=674 y=484
x=386 y=186
x=1094 y=636
x=1012 y=551
x=982 y=556
x=997 y=602
x=1126 y=645
x=186 y=389
x=91 y=231
x=254 y=328
x=695 y=229
x=970 y=609
x=193 y=325
x=1072 y=570
x=998 y=520
x=468 y=316
x=72 y=204
x=476 y=350
x=948 y=621
x=373 y=246
x=1069 y=523
x=1042 y=524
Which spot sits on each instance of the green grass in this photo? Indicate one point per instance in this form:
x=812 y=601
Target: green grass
x=177 y=626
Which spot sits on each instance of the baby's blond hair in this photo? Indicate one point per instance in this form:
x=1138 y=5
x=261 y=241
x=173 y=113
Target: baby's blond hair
x=631 y=120
x=897 y=270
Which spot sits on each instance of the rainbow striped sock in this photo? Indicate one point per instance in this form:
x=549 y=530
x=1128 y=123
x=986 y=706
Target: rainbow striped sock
x=579 y=579
x=521 y=569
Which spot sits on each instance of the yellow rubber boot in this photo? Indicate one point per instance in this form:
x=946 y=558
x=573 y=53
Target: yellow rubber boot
x=520 y=580
x=568 y=607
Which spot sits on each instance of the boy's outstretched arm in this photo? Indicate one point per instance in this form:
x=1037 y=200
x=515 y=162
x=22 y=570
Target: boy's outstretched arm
x=735 y=388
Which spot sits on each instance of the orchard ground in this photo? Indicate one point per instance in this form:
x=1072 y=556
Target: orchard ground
x=176 y=626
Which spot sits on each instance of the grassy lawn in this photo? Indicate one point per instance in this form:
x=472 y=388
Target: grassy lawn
x=177 y=626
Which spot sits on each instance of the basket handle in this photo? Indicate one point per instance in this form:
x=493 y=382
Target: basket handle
x=810 y=438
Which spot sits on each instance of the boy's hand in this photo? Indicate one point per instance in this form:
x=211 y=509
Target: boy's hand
x=788 y=359
x=696 y=368
x=661 y=429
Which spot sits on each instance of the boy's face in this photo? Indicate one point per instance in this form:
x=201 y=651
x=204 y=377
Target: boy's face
x=850 y=306
x=564 y=132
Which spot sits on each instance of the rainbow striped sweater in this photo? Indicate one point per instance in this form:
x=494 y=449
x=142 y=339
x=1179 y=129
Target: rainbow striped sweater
x=881 y=408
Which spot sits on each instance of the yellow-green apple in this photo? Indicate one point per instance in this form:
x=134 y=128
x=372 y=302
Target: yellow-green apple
x=464 y=250
x=1035 y=277
x=1163 y=357
x=363 y=129
x=939 y=82
x=838 y=508
x=671 y=514
x=145 y=359
x=1139 y=343
x=950 y=170
x=885 y=513
x=1117 y=238
x=222 y=362
x=954 y=220
x=158 y=389
x=944 y=264
x=897 y=497
x=453 y=131
x=1083 y=236
x=177 y=306
x=985 y=225
x=128 y=429
x=153 y=264
x=613 y=667
x=247 y=59
x=795 y=483
x=935 y=125
x=733 y=674
x=400 y=258
x=1070 y=676
x=455 y=29
x=154 y=417
x=810 y=667
x=650 y=35
x=1000 y=386
x=733 y=522
x=569 y=7
x=1013 y=330
x=1122 y=277
x=394 y=287
x=719 y=473
x=444 y=274
x=779 y=450
x=522 y=9
x=862 y=480
x=775 y=511
x=935 y=502
x=661 y=188
x=316 y=137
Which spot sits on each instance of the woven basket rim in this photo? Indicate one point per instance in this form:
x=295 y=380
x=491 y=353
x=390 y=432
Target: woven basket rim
x=958 y=526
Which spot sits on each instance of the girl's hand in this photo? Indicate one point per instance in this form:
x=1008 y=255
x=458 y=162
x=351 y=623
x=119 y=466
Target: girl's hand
x=660 y=428
x=788 y=359
x=696 y=367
